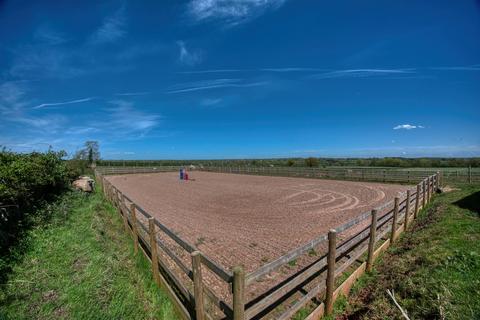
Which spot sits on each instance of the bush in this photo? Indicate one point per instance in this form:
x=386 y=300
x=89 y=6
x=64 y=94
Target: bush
x=27 y=181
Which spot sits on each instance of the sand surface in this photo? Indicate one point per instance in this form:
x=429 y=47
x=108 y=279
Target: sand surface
x=250 y=220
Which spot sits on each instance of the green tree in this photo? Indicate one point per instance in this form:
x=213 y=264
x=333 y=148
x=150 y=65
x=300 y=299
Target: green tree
x=90 y=152
x=311 y=162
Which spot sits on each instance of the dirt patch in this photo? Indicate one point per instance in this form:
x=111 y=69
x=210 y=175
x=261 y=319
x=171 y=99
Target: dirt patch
x=49 y=296
x=277 y=214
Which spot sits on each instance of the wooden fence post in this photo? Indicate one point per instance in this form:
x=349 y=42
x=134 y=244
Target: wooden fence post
x=371 y=243
x=407 y=209
x=134 y=226
x=417 y=200
x=238 y=293
x=394 y=220
x=469 y=174
x=104 y=187
x=153 y=249
x=432 y=191
x=198 y=285
x=124 y=213
x=428 y=188
x=424 y=193
x=332 y=252
x=439 y=180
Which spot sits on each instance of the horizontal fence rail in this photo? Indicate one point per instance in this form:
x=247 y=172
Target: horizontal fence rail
x=186 y=273
x=465 y=175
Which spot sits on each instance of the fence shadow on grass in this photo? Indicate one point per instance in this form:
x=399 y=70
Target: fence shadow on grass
x=471 y=202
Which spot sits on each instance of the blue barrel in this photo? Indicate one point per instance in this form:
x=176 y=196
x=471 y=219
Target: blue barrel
x=181 y=174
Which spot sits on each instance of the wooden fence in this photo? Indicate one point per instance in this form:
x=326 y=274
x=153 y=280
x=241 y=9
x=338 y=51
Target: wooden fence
x=181 y=269
x=379 y=174
x=460 y=175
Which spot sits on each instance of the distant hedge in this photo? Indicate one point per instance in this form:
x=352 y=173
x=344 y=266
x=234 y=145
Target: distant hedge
x=29 y=181
x=309 y=162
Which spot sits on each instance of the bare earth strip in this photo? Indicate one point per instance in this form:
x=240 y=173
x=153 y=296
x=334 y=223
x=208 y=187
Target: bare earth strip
x=250 y=220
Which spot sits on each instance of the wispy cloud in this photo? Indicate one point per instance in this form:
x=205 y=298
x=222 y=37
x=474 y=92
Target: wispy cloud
x=132 y=93
x=47 y=35
x=141 y=50
x=126 y=119
x=475 y=67
x=112 y=29
x=80 y=130
x=12 y=97
x=291 y=69
x=407 y=127
x=232 y=12
x=212 y=71
x=39 y=61
x=361 y=73
x=47 y=124
x=214 y=84
x=208 y=102
x=186 y=56
x=51 y=104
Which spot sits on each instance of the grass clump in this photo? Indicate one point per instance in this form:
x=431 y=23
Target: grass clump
x=80 y=264
x=434 y=269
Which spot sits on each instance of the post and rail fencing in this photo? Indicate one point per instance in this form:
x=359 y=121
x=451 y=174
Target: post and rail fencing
x=399 y=175
x=186 y=273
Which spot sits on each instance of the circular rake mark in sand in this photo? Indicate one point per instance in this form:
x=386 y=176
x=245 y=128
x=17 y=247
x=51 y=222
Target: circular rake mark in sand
x=325 y=200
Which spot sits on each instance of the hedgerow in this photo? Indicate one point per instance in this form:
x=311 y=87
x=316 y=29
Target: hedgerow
x=27 y=182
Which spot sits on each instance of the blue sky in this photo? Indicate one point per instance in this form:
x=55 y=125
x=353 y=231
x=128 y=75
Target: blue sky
x=237 y=79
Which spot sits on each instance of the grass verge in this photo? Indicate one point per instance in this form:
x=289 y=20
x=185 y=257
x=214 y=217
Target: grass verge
x=80 y=265
x=434 y=269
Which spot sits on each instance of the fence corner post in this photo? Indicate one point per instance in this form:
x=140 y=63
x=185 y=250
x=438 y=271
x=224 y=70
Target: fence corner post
x=332 y=252
x=198 y=285
x=407 y=210
x=153 y=249
x=371 y=243
x=394 y=220
x=238 y=293
x=133 y=212
x=417 y=202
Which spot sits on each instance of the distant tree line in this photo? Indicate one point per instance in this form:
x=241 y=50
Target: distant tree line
x=309 y=162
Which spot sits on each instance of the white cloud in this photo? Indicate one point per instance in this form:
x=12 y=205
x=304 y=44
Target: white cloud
x=362 y=73
x=126 y=119
x=112 y=28
x=407 y=127
x=231 y=12
x=188 y=57
x=214 y=84
x=50 y=104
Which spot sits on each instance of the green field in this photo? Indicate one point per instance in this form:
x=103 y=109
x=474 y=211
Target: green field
x=80 y=265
